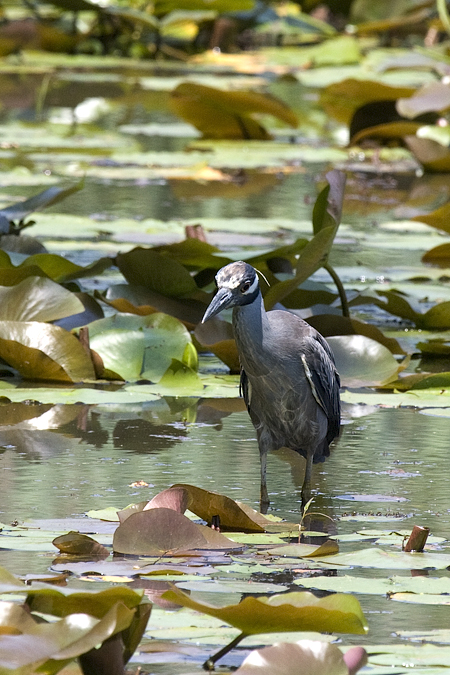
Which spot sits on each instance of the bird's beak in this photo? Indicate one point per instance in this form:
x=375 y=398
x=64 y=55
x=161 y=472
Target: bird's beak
x=222 y=299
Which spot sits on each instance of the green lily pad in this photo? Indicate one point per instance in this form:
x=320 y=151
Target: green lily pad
x=362 y=361
x=291 y=611
x=231 y=586
x=160 y=273
x=135 y=347
x=379 y=559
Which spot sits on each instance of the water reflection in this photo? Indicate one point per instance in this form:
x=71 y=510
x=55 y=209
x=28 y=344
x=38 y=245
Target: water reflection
x=56 y=461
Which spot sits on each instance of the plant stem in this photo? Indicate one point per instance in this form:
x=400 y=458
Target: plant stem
x=209 y=664
x=341 y=290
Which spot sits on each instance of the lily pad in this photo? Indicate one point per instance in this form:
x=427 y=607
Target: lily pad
x=219 y=114
x=277 y=613
x=160 y=531
x=135 y=347
x=233 y=516
x=43 y=352
x=37 y=299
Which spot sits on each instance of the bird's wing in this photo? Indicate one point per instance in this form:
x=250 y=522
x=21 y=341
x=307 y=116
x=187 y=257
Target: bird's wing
x=245 y=388
x=318 y=363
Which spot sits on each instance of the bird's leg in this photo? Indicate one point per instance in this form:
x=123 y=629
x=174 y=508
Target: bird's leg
x=264 y=495
x=306 y=487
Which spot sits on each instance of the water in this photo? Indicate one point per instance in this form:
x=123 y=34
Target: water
x=52 y=469
x=58 y=462
x=87 y=457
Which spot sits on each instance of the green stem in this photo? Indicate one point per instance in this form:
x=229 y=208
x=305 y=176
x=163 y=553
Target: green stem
x=443 y=14
x=209 y=664
x=341 y=289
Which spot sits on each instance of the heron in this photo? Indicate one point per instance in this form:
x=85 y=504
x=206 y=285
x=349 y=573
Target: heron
x=289 y=380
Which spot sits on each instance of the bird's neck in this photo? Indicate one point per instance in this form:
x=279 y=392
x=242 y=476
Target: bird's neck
x=251 y=331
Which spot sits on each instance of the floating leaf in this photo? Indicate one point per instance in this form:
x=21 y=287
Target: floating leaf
x=379 y=559
x=135 y=347
x=439 y=255
x=341 y=99
x=312 y=657
x=37 y=299
x=43 y=352
x=386 y=131
x=52 y=195
x=61 y=602
x=329 y=547
x=332 y=324
x=62 y=270
x=287 y=612
x=433 y=155
x=361 y=361
x=433 y=96
x=440 y=219
x=233 y=516
x=227 y=114
x=165 y=6
x=132 y=299
x=230 y=586
x=75 y=543
x=160 y=531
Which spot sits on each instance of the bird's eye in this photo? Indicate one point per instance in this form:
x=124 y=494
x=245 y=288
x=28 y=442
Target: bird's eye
x=245 y=286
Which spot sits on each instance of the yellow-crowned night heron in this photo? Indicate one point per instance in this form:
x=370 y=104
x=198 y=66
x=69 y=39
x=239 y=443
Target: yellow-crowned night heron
x=288 y=377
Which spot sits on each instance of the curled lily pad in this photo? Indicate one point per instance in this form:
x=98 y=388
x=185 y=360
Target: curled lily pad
x=310 y=657
x=227 y=114
x=61 y=602
x=40 y=351
x=288 y=612
x=160 y=531
x=27 y=646
x=137 y=347
x=37 y=299
x=361 y=361
x=233 y=516
x=78 y=544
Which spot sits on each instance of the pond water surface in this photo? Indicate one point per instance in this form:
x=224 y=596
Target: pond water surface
x=59 y=462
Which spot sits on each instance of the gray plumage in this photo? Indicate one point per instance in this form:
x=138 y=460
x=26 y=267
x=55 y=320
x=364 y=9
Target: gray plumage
x=288 y=379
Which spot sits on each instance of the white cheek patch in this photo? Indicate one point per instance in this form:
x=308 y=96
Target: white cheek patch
x=252 y=288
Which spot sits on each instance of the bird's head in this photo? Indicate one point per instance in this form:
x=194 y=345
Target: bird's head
x=237 y=284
